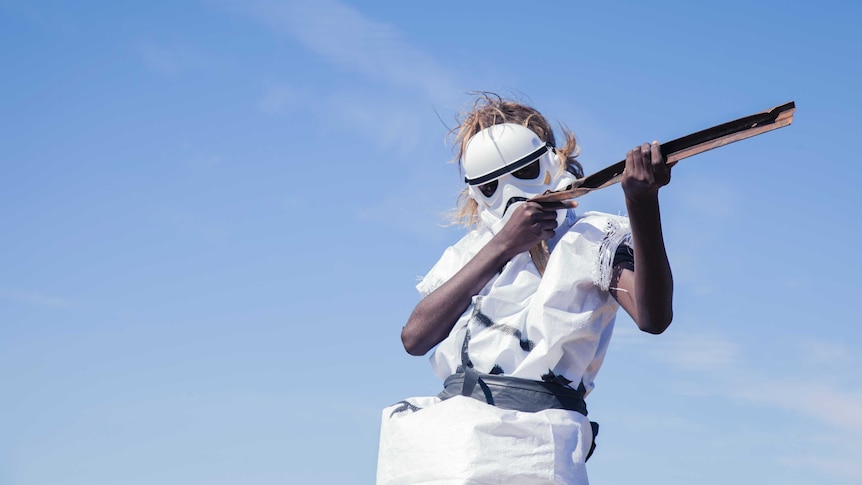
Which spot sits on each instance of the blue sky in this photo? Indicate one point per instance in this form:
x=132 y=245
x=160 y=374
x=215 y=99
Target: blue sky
x=214 y=214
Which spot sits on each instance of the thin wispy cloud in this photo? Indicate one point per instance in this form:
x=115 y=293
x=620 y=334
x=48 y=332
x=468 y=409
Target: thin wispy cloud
x=278 y=98
x=384 y=120
x=697 y=352
x=394 y=85
x=826 y=403
x=400 y=214
x=344 y=36
x=36 y=299
x=819 y=352
x=170 y=60
x=48 y=17
x=196 y=226
x=845 y=466
x=159 y=59
x=821 y=400
x=838 y=404
x=203 y=162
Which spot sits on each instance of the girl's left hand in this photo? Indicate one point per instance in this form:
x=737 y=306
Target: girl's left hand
x=646 y=171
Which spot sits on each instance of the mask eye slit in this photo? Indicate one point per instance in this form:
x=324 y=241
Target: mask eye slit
x=489 y=188
x=529 y=172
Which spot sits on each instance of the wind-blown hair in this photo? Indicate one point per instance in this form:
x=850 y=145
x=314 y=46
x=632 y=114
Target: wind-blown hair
x=490 y=109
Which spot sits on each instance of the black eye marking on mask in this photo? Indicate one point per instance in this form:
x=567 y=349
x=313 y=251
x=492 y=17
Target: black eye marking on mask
x=489 y=188
x=530 y=172
x=511 y=167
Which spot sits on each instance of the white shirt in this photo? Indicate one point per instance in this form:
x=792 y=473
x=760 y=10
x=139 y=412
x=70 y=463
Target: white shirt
x=555 y=326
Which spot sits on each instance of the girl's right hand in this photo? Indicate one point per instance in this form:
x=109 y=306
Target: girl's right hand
x=530 y=224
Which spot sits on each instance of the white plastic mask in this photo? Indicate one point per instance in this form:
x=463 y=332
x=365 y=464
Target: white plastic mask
x=507 y=164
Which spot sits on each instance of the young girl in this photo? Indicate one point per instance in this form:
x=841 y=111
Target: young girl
x=518 y=349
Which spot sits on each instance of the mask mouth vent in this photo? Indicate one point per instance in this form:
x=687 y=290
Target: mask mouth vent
x=513 y=200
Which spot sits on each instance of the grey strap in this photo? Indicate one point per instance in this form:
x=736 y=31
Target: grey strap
x=470 y=379
x=513 y=393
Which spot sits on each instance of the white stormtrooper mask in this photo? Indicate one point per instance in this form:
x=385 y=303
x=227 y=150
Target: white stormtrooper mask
x=506 y=164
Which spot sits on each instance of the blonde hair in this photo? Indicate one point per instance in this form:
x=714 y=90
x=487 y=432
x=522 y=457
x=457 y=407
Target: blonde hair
x=490 y=109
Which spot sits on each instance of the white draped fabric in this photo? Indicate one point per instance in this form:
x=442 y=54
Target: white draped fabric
x=555 y=326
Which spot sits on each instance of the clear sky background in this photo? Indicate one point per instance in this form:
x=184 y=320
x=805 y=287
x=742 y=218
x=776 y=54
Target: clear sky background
x=213 y=215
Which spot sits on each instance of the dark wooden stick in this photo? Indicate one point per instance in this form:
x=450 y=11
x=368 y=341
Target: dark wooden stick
x=687 y=146
x=673 y=151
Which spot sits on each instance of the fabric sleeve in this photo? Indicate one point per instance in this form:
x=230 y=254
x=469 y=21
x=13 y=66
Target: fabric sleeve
x=444 y=269
x=452 y=260
x=624 y=255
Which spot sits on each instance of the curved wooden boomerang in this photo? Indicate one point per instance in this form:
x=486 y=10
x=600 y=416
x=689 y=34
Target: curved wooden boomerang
x=673 y=151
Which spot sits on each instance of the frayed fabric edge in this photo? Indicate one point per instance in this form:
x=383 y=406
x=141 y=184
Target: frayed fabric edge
x=618 y=232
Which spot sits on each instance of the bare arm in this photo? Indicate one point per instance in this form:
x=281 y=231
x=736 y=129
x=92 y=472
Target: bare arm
x=645 y=290
x=434 y=316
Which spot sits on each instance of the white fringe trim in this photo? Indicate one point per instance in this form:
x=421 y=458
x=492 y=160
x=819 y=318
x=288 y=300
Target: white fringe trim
x=618 y=232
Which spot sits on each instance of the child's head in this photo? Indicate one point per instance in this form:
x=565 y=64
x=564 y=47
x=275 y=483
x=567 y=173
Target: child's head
x=489 y=110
